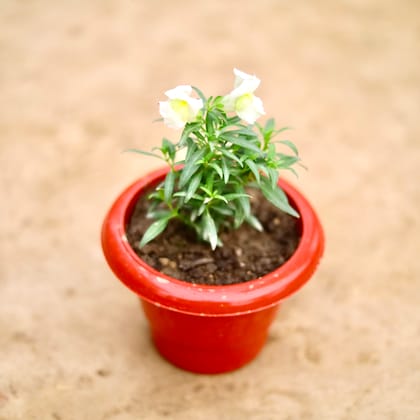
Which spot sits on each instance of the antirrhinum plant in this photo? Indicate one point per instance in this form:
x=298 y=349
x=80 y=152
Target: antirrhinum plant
x=226 y=153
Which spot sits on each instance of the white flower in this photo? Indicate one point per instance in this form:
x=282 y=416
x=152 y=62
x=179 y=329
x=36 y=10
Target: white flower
x=180 y=108
x=242 y=99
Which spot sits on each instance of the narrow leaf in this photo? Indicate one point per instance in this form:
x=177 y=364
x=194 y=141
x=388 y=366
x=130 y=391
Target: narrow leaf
x=142 y=152
x=158 y=214
x=169 y=185
x=269 y=125
x=201 y=209
x=245 y=132
x=293 y=172
x=239 y=216
x=230 y=155
x=254 y=222
x=285 y=160
x=233 y=120
x=191 y=148
x=263 y=169
x=200 y=94
x=188 y=129
x=226 y=172
x=206 y=190
x=193 y=185
x=155 y=229
x=280 y=130
x=274 y=177
x=246 y=144
x=234 y=196
x=183 y=194
x=251 y=165
x=223 y=210
x=289 y=144
x=246 y=207
x=190 y=167
x=168 y=148
x=221 y=197
x=210 y=230
x=277 y=197
x=217 y=168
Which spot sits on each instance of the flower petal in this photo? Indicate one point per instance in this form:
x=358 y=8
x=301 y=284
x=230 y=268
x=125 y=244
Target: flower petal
x=241 y=77
x=242 y=100
x=180 y=108
x=252 y=111
x=179 y=92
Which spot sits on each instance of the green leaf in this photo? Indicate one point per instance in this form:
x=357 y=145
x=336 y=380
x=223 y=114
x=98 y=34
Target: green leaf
x=244 y=202
x=254 y=222
x=142 y=152
x=289 y=144
x=191 y=149
x=246 y=144
x=277 y=197
x=206 y=190
x=226 y=172
x=157 y=194
x=158 y=214
x=267 y=132
x=193 y=215
x=280 y=130
x=155 y=229
x=233 y=120
x=183 y=194
x=271 y=151
x=190 y=167
x=269 y=125
x=230 y=155
x=169 y=186
x=262 y=168
x=209 y=230
x=168 y=148
x=193 y=185
x=293 y=172
x=200 y=94
x=251 y=165
x=243 y=132
x=211 y=120
x=285 y=161
x=223 y=210
x=221 y=197
x=217 y=168
x=199 y=135
x=188 y=130
x=209 y=181
x=201 y=209
x=274 y=177
x=234 y=196
x=239 y=216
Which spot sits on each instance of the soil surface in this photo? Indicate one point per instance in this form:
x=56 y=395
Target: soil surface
x=246 y=253
x=80 y=82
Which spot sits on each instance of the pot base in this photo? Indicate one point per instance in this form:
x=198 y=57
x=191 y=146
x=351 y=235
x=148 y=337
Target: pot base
x=208 y=344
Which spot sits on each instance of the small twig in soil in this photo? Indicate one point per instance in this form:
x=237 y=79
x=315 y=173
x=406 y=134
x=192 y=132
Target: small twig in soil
x=200 y=261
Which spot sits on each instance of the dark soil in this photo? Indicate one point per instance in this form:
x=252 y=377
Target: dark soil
x=246 y=253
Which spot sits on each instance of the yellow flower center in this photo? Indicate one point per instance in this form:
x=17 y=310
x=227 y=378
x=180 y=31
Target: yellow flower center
x=243 y=102
x=181 y=107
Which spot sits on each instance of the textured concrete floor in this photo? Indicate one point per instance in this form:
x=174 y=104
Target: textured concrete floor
x=80 y=81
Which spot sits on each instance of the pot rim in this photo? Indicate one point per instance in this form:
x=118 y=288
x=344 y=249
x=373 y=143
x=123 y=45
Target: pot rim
x=197 y=299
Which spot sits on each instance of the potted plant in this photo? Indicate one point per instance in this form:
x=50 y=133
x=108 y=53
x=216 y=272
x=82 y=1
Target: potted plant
x=228 y=181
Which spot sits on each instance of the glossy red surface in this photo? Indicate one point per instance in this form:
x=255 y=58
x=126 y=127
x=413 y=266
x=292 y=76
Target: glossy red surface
x=204 y=344
x=201 y=328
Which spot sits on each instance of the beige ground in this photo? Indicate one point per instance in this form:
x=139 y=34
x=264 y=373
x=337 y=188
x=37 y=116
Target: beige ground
x=79 y=83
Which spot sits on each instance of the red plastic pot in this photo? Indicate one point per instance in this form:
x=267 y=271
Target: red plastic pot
x=201 y=328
